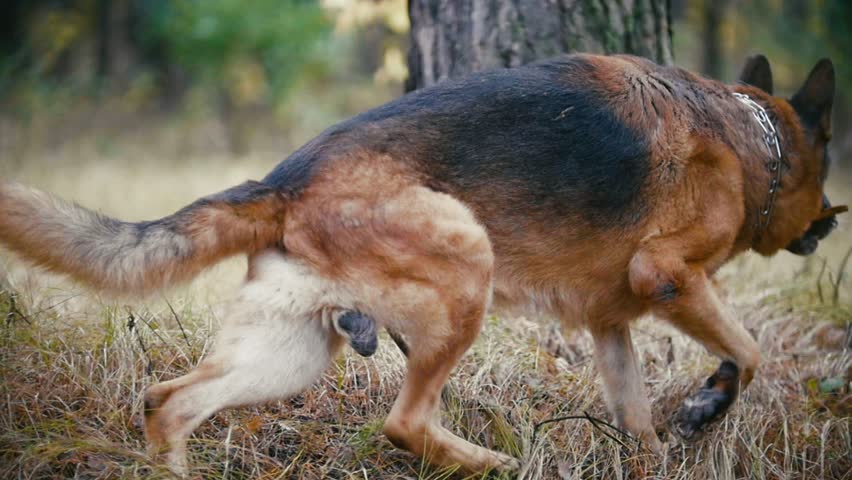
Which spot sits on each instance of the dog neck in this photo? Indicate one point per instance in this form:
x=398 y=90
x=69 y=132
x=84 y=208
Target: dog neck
x=765 y=164
x=774 y=164
x=747 y=138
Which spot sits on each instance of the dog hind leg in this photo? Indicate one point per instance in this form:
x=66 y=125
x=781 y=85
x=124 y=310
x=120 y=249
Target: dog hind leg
x=443 y=295
x=414 y=421
x=418 y=262
x=273 y=345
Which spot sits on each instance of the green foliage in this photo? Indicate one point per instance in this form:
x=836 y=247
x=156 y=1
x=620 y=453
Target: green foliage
x=251 y=51
x=802 y=32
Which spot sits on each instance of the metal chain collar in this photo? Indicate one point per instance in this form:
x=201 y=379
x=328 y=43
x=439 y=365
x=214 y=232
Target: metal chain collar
x=773 y=143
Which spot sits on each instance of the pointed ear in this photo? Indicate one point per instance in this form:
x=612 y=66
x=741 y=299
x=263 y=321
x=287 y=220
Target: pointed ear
x=813 y=101
x=756 y=72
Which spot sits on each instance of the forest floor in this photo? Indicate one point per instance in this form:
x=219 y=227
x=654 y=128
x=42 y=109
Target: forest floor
x=73 y=365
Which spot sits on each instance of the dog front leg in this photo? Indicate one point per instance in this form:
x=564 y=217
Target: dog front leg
x=686 y=298
x=622 y=378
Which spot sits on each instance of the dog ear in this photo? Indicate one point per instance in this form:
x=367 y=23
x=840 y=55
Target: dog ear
x=757 y=73
x=813 y=101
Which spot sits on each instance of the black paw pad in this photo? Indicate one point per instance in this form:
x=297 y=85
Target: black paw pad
x=709 y=403
x=361 y=332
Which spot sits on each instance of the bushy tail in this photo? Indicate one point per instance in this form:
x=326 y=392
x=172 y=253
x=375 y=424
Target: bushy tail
x=127 y=258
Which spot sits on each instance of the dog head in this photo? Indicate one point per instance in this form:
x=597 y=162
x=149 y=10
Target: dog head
x=803 y=214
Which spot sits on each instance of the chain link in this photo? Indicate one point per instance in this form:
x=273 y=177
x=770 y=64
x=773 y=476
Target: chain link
x=773 y=144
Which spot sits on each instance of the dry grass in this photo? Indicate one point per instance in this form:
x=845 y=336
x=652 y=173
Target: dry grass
x=73 y=368
x=71 y=390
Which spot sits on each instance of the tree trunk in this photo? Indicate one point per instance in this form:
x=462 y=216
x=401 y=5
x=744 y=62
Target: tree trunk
x=714 y=12
x=450 y=38
x=116 y=52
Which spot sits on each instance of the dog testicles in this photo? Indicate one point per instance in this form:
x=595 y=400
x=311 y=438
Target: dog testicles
x=360 y=330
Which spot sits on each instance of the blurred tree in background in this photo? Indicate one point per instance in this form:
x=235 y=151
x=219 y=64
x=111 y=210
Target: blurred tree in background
x=310 y=62
x=245 y=55
x=209 y=39
x=237 y=57
x=794 y=34
x=251 y=51
x=715 y=36
x=248 y=55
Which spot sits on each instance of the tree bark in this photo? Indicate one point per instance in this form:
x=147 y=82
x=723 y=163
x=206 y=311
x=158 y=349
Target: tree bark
x=450 y=38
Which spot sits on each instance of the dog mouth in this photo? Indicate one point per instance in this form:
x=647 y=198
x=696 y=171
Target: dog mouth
x=819 y=229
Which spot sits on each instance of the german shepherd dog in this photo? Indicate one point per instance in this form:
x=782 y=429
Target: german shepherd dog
x=592 y=188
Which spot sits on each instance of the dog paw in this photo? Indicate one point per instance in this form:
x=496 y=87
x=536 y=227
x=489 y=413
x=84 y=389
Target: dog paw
x=709 y=403
x=652 y=443
x=504 y=463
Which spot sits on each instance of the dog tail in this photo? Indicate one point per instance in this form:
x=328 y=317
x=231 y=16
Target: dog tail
x=134 y=258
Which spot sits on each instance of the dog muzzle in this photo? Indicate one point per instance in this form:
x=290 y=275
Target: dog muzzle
x=819 y=229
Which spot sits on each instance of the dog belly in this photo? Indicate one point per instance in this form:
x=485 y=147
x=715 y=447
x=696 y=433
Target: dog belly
x=552 y=302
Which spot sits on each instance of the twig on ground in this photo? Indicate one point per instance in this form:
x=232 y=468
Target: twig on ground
x=131 y=326
x=14 y=310
x=46 y=309
x=596 y=422
x=177 y=319
x=153 y=330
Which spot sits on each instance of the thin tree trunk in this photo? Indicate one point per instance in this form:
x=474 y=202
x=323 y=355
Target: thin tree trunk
x=116 y=51
x=714 y=12
x=450 y=38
